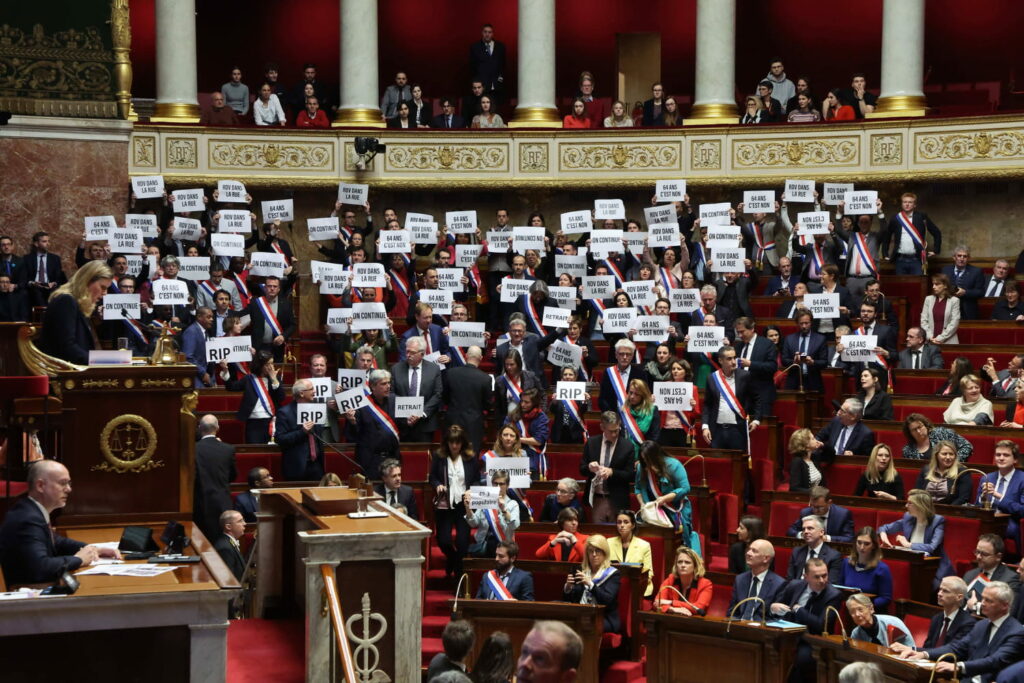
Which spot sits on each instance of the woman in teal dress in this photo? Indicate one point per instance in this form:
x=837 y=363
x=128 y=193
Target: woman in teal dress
x=663 y=480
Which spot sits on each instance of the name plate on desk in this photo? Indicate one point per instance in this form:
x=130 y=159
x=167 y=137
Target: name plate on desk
x=121 y=357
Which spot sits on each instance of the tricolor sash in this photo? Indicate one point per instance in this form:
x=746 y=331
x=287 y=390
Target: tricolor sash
x=668 y=280
x=457 y=356
x=208 y=287
x=243 y=367
x=347 y=232
x=597 y=580
x=698 y=260
x=277 y=247
x=614 y=271
x=583 y=366
x=888 y=370
x=711 y=360
x=512 y=388
x=542 y=455
x=243 y=290
x=863 y=259
x=726 y=394
x=759 y=240
x=399 y=282
x=532 y=316
x=135 y=329
x=269 y=316
x=598 y=307
x=499 y=591
x=113 y=288
x=817 y=260
x=262 y=394
x=573 y=409
x=531 y=272
x=494 y=524
x=674 y=513
x=881 y=359
x=633 y=430
x=380 y=415
x=915 y=236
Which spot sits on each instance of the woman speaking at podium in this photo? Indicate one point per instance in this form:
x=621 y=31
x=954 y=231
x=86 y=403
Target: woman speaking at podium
x=67 y=331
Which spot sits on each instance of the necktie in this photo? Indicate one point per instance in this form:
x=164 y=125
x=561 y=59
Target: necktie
x=957 y=275
x=414 y=383
x=841 y=441
x=1001 y=486
x=42 y=268
x=312 y=448
x=448 y=122
x=606 y=454
x=488 y=49
x=426 y=342
x=748 y=612
x=994 y=287
x=391 y=498
x=803 y=351
x=754 y=585
x=941 y=640
x=916 y=355
x=814 y=554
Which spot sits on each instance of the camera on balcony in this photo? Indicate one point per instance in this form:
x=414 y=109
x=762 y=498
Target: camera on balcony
x=367 y=149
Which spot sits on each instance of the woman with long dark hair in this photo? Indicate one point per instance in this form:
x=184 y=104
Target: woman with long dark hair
x=453 y=469
x=662 y=480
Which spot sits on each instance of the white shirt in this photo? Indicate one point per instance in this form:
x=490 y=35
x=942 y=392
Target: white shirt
x=419 y=377
x=906 y=247
x=269 y=114
x=46 y=514
x=725 y=414
x=456 y=480
x=268 y=332
x=748 y=348
x=258 y=411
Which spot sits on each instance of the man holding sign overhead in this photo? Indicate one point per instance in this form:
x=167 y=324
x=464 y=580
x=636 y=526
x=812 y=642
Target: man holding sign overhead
x=907 y=229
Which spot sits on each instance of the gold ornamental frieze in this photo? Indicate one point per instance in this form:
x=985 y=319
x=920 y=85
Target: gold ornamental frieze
x=620 y=156
x=806 y=153
x=144 y=150
x=292 y=156
x=128 y=443
x=447 y=157
x=986 y=145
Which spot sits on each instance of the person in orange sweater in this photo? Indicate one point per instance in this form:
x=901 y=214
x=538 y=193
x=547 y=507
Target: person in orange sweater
x=685 y=591
x=579 y=117
x=568 y=545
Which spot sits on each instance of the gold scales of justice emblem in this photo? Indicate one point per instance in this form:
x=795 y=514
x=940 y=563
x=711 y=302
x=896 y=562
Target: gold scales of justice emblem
x=128 y=443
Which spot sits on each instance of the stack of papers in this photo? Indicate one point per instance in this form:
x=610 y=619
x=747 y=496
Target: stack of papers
x=128 y=570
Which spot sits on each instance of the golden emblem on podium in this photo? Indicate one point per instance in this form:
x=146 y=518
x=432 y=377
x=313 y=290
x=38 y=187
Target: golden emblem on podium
x=128 y=443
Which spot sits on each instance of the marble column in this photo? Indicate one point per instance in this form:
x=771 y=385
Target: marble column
x=176 y=62
x=902 y=60
x=714 y=99
x=536 y=106
x=359 y=81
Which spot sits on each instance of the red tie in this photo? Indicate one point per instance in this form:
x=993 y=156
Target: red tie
x=426 y=342
x=941 y=640
x=312 y=448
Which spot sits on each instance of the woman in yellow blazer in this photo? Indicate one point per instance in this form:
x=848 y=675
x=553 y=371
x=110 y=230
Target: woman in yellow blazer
x=637 y=550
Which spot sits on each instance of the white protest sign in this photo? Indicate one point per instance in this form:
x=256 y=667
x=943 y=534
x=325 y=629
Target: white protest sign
x=408 y=406
x=235 y=221
x=609 y=209
x=518 y=470
x=318 y=229
x=727 y=261
x=460 y=222
x=858 y=347
x=231 y=191
x=556 y=317
x=565 y=297
x=605 y=242
x=650 y=328
x=188 y=200
x=323 y=387
x=337 y=320
x=438 y=299
x=576 y=222
x=799 y=192
x=663 y=235
x=813 y=222
x=278 y=210
x=861 y=203
x=484 y=497
x=148 y=186
x=353 y=193
x=310 y=412
x=412 y=218
x=635 y=242
x=571 y=391
x=466 y=334
x=562 y=354
x=618 y=319
x=125 y=241
x=317 y=267
x=527 y=237
x=759 y=201
x=575 y=265
x=641 y=292
x=334 y=279
x=369 y=316
x=669 y=190
x=723 y=237
x=466 y=255
x=684 y=300
x=394 y=242
x=186 y=229
x=98 y=228
x=352 y=399
x=350 y=378
x=135 y=263
x=673 y=395
x=435 y=359
x=665 y=213
x=227 y=245
x=836 y=192
x=598 y=286
x=705 y=339
x=450 y=279
x=230 y=349
x=121 y=306
x=194 y=268
x=512 y=289
x=145 y=223
x=715 y=214
x=151 y=262
x=170 y=292
x=423 y=233
x=822 y=305
x=498 y=240
x=266 y=263
x=369 y=275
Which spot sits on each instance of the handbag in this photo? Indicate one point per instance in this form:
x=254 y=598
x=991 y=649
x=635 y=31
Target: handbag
x=441 y=498
x=652 y=513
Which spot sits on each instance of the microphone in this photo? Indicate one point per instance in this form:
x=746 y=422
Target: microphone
x=697 y=610
x=846 y=639
x=455 y=605
x=336 y=450
x=703 y=473
x=764 y=610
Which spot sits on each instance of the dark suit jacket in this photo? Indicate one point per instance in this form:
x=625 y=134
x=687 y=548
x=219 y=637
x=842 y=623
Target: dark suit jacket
x=839 y=527
x=245 y=502
x=817 y=349
x=649 y=118
x=531 y=356
x=880 y=407
x=438 y=340
x=812 y=615
x=620 y=483
x=606 y=399
x=374 y=442
x=982 y=656
x=831 y=249
x=860 y=441
x=745 y=393
x=29 y=552
x=405 y=497
x=193 y=345
x=931 y=358
x=606 y=594
x=439 y=121
x=285 y=316
x=988 y=282
x=438 y=476
x=13 y=307
x=775 y=284
x=771 y=586
x=215 y=470
x=249 y=398
x=519 y=584
x=798 y=558
x=972 y=281
x=231 y=556
x=67 y=334
x=29 y=269
x=430 y=388
x=958 y=628
x=487 y=68
x=893 y=229
x=742 y=287
x=468 y=395
x=294 y=442
x=764 y=361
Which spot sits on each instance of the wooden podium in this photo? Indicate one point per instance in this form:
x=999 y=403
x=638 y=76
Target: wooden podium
x=832 y=654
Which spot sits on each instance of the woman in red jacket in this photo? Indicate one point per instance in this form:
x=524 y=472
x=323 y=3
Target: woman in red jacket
x=579 y=117
x=568 y=545
x=685 y=591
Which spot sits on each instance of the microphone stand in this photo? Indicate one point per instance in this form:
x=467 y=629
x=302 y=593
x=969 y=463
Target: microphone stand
x=948 y=655
x=703 y=473
x=986 y=504
x=846 y=639
x=336 y=450
x=764 y=611
x=465 y=593
x=800 y=375
x=696 y=610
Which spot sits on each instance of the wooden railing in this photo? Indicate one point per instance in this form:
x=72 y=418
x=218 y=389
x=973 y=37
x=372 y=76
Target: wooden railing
x=332 y=604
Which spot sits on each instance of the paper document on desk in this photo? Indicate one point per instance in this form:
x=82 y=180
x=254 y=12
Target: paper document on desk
x=129 y=570
x=785 y=625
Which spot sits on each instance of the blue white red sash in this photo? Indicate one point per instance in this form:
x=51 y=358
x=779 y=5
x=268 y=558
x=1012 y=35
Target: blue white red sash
x=113 y=288
x=912 y=231
x=499 y=591
x=513 y=390
x=532 y=315
x=347 y=232
x=243 y=290
x=602 y=576
x=208 y=288
x=573 y=409
x=494 y=523
x=532 y=272
x=399 y=282
x=699 y=259
x=269 y=316
x=582 y=370
x=277 y=247
x=380 y=415
x=243 y=367
x=633 y=430
x=864 y=257
x=614 y=270
x=759 y=239
x=726 y=394
x=817 y=260
x=135 y=329
x=881 y=359
x=701 y=313
x=712 y=361
x=457 y=357
x=262 y=394
x=598 y=307
x=668 y=280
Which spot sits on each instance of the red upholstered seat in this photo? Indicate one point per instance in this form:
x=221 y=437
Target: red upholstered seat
x=720 y=597
x=727 y=514
x=900 y=570
x=783 y=513
x=918 y=627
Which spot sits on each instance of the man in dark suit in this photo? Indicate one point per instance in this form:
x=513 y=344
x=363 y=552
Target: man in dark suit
x=757 y=357
x=10 y=263
x=730 y=427
x=759 y=581
x=809 y=349
x=709 y=305
x=41 y=271
x=13 y=301
x=885 y=313
x=813 y=532
x=948 y=625
x=432 y=334
x=396 y=493
x=373 y=428
x=626 y=370
x=526 y=343
x=995 y=642
x=733 y=293
x=215 y=470
x=784 y=283
x=995 y=284
x=448 y=118
x=193 y=345
x=225 y=542
x=919 y=354
x=264 y=336
x=968 y=282
x=845 y=434
x=416 y=377
x=246 y=502
x=302 y=455
x=908 y=252
x=469 y=393
x=827 y=247
x=487 y=61
x=886 y=348
x=506 y=577
x=607 y=465
x=838 y=521
x=30 y=552
x=988 y=554
x=654 y=108
x=804 y=601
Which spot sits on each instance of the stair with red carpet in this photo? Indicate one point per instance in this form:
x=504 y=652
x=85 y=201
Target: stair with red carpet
x=266 y=650
x=436 y=613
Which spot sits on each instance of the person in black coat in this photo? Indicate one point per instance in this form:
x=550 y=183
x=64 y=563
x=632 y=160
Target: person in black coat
x=373 y=429
x=469 y=395
x=609 y=478
x=597 y=583
x=626 y=369
x=261 y=337
x=261 y=382
x=732 y=435
x=813 y=533
x=487 y=60
x=67 y=331
x=29 y=280
x=758 y=357
x=215 y=470
x=448 y=118
x=392 y=489
x=810 y=349
x=454 y=467
x=845 y=434
x=246 y=501
x=956 y=621
x=812 y=614
x=908 y=261
x=968 y=282
x=650 y=118
x=225 y=542
x=13 y=301
x=302 y=457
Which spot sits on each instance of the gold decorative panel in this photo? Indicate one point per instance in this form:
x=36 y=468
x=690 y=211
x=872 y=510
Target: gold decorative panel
x=458 y=157
x=292 y=156
x=144 y=150
x=706 y=155
x=533 y=157
x=985 y=145
x=180 y=153
x=886 y=150
x=804 y=153
x=613 y=157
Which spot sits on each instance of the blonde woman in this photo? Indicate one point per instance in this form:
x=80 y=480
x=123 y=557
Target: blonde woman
x=68 y=333
x=970 y=407
x=644 y=414
x=941 y=477
x=596 y=583
x=881 y=479
x=804 y=473
x=754 y=111
x=940 y=313
x=685 y=591
x=509 y=444
x=618 y=118
x=920 y=529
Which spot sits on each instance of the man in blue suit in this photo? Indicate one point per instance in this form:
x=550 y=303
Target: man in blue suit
x=448 y=118
x=758 y=357
x=193 y=345
x=505 y=581
x=804 y=602
x=784 y=283
x=845 y=434
x=809 y=349
x=968 y=282
x=814 y=548
x=838 y=521
x=759 y=581
x=995 y=642
x=426 y=330
x=1005 y=486
x=302 y=455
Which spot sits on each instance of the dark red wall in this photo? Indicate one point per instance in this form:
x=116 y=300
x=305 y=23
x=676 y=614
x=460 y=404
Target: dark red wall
x=965 y=41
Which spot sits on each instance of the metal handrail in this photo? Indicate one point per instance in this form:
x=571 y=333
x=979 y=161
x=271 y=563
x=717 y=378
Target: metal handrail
x=332 y=604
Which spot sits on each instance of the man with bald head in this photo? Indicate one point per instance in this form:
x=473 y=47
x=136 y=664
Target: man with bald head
x=29 y=550
x=551 y=653
x=469 y=393
x=218 y=114
x=759 y=581
x=215 y=470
